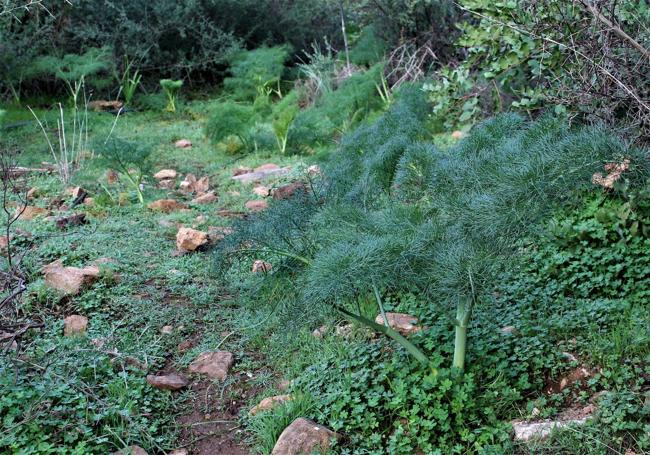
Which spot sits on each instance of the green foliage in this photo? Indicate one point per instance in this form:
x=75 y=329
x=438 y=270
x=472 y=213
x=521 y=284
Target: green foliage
x=368 y=49
x=171 y=89
x=230 y=119
x=130 y=159
x=256 y=72
x=130 y=83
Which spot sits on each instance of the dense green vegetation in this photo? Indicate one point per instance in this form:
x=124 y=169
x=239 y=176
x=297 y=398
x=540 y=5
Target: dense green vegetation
x=481 y=168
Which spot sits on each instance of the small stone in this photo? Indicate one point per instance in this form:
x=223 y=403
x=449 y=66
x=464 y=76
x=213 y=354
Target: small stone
x=75 y=219
x=231 y=213
x=183 y=144
x=261 y=267
x=167 y=330
x=314 y=170
x=288 y=191
x=266 y=167
x=75 y=325
x=214 y=364
x=185 y=346
x=257 y=205
x=30 y=212
x=179 y=452
x=216 y=233
x=191 y=185
x=112 y=176
x=345 y=331
x=89 y=202
x=457 y=135
x=172 y=381
x=106 y=105
x=188 y=239
x=200 y=219
x=526 y=431
x=269 y=403
x=320 y=332
x=69 y=280
x=33 y=193
x=262 y=191
x=78 y=194
x=205 y=198
x=508 y=330
x=167 y=184
x=284 y=384
x=131 y=450
x=403 y=323
x=165 y=174
x=166 y=205
x=302 y=437
x=4 y=243
x=241 y=171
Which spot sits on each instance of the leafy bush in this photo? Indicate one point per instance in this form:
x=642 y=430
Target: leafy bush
x=130 y=159
x=255 y=72
x=368 y=49
x=171 y=89
x=230 y=119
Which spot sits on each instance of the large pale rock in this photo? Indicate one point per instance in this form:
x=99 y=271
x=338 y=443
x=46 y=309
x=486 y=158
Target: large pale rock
x=262 y=191
x=288 y=191
x=214 y=364
x=183 y=144
x=269 y=403
x=403 y=323
x=165 y=174
x=166 y=205
x=526 y=431
x=205 y=198
x=191 y=185
x=262 y=174
x=303 y=437
x=75 y=325
x=30 y=212
x=69 y=280
x=172 y=381
x=257 y=205
x=188 y=239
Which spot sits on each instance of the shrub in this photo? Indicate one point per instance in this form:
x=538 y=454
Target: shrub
x=369 y=48
x=230 y=119
x=130 y=159
x=171 y=89
x=256 y=72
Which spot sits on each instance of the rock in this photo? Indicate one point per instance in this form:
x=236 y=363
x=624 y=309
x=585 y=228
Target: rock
x=457 y=135
x=75 y=325
x=168 y=184
x=183 y=144
x=314 y=170
x=614 y=172
x=166 y=205
x=185 y=346
x=345 y=331
x=266 y=167
x=403 y=323
x=288 y=191
x=188 y=239
x=172 y=381
x=216 y=233
x=8 y=341
x=76 y=219
x=89 y=202
x=242 y=171
x=577 y=375
x=269 y=403
x=163 y=222
x=165 y=174
x=257 y=176
x=191 y=185
x=179 y=452
x=214 y=364
x=508 y=330
x=200 y=219
x=257 y=205
x=30 y=212
x=284 y=384
x=69 y=280
x=320 y=332
x=261 y=267
x=112 y=176
x=262 y=191
x=231 y=214
x=167 y=330
x=33 y=193
x=205 y=198
x=4 y=243
x=78 y=194
x=303 y=437
x=526 y=431
x=104 y=105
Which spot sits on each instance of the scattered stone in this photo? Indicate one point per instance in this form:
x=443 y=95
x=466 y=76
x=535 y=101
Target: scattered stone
x=164 y=222
x=216 y=233
x=166 y=205
x=302 y=437
x=188 y=239
x=89 y=202
x=78 y=194
x=185 y=346
x=262 y=191
x=284 y=384
x=75 y=325
x=76 y=219
x=314 y=169
x=266 y=167
x=179 y=452
x=200 y=219
x=345 y=331
x=33 y=193
x=261 y=173
x=167 y=184
x=183 y=144
x=167 y=330
x=172 y=381
x=577 y=375
x=104 y=105
x=112 y=176
x=269 y=403
x=526 y=431
x=165 y=174
x=231 y=214
x=205 y=198
x=241 y=171
x=256 y=205
x=457 y=135
x=403 y=323
x=288 y=191
x=614 y=172
x=214 y=364
x=570 y=357
x=4 y=243
x=320 y=332
x=69 y=280
x=508 y=330
x=30 y=212
x=191 y=185
x=261 y=267
x=8 y=341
